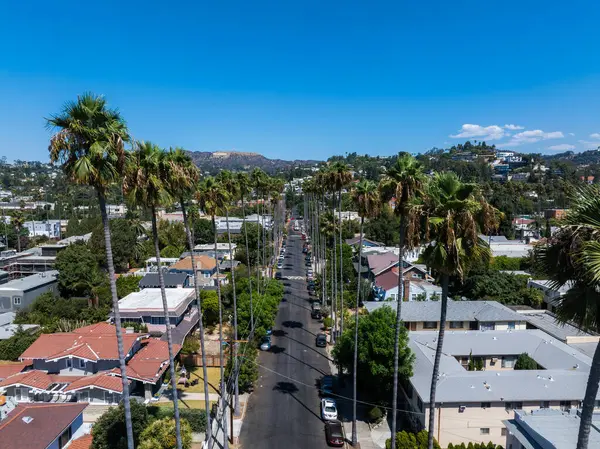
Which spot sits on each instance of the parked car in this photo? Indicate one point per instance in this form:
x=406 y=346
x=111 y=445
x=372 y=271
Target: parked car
x=304 y=250
x=279 y=265
x=278 y=275
x=321 y=341
x=281 y=257
x=328 y=409
x=315 y=311
x=334 y=433
x=326 y=386
x=265 y=343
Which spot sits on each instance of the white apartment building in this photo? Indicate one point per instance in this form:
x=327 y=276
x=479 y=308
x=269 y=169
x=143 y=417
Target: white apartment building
x=48 y=228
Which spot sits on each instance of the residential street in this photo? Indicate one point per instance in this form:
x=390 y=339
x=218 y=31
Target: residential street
x=284 y=410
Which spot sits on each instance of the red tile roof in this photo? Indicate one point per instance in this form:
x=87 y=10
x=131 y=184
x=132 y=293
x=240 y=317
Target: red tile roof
x=37 y=379
x=84 y=442
x=150 y=362
x=11 y=368
x=103 y=381
x=48 y=422
x=98 y=328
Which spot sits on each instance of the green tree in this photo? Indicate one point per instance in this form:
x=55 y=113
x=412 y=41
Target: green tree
x=109 y=431
x=457 y=213
x=248 y=369
x=78 y=272
x=410 y=440
x=89 y=145
x=145 y=185
x=18 y=221
x=123 y=243
x=127 y=285
x=162 y=434
x=203 y=231
x=190 y=346
x=12 y=347
x=525 y=362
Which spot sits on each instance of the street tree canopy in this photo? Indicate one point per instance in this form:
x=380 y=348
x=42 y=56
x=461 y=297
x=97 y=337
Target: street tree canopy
x=109 y=430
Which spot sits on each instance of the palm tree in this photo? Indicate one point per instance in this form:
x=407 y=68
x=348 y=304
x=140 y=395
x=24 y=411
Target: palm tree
x=457 y=214
x=243 y=183
x=145 y=186
x=17 y=221
x=257 y=179
x=182 y=182
x=212 y=197
x=229 y=183
x=366 y=198
x=341 y=177
x=403 y=181
x=89 y=145
x=572 y=257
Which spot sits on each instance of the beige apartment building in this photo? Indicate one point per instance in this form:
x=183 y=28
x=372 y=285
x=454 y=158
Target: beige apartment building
x=472 y=405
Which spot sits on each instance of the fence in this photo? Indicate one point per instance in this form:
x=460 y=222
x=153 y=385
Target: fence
x=196 y=360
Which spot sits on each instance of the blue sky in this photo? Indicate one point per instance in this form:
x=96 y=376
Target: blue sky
x=308 y=79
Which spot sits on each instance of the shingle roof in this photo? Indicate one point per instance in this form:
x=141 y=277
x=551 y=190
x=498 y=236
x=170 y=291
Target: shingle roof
x=171 y=280
x=202 y=263
x=564 y=378
x=378 y=262
x=48 y=422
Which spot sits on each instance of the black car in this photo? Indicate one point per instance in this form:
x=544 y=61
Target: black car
x=315 y=311
x=278 y=275
x=321 y=340
x=334 y=433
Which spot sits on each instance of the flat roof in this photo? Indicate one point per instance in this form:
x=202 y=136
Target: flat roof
x=549 y=323
x=150 y=300
x=30 y=282
x=565 y=376
x=457 y=310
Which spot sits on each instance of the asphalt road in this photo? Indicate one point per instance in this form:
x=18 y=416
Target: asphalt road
x=283 y=412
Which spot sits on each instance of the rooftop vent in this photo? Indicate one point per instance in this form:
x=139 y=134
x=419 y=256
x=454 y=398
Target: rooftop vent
x=27 y=419
x=495 y=338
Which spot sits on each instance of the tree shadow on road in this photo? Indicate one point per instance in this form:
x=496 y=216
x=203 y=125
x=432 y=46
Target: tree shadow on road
x=279 y=350
x=290 y=389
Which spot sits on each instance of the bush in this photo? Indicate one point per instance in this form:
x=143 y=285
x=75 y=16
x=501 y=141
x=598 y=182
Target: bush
x=481 y=445
x=410 y=440
x=327 y=322
x=375 y=415
x=196 y=417
x=525 y=362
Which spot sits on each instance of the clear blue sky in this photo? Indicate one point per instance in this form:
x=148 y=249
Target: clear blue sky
x=308 y=79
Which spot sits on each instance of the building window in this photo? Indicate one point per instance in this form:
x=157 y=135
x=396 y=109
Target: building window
x=508 y=362
x=456 y=324
x=429 y=324
x=565 y=406
x=486 y=326
x=486 y=405
x=503 y=432
x=17 y=300
x=511 y=325
x=393 y=296
x=484 y=431
x=546 y=404
x=69 y=363
x=81 y=363
x=508 y=406
x=64 y=438
x=518 y=405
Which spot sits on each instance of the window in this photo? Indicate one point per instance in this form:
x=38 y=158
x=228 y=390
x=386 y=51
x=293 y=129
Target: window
x=64 y=438
x=486 y=405
x=486 y=326
x=456 y=324
x=518 y=405
x=81 y=363
x=503 y=432
x=508 y=406
x=545 y=404
x=393 y=296
x=508 y=362
x=69 y=363
x=511 y=325
x=484 y=431
x=17 y=300
x=429 y=324
x=565 y=406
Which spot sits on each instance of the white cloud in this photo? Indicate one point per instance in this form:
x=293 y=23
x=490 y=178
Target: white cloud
x=571 y=134
x=562 y=147
x=595 y=136
x=590 y=145
x=513 y=127
x=532 y=136
x=467 y=130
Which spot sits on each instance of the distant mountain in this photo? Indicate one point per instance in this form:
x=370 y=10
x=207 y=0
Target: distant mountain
x=212 y=162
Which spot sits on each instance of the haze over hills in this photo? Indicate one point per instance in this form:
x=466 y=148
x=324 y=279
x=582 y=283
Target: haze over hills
x=238 y=160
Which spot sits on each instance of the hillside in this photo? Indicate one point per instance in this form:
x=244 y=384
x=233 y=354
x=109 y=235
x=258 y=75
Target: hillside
x=235 y=160
x=583 y=158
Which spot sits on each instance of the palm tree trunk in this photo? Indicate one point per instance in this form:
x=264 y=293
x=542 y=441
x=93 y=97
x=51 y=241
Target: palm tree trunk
x=258 y=252
x=221 y=356
x=249 y=271
x=236 y=402
x=589 y=401
x=163 y=294
x=18 y=240
x=341 y=266
x=436 y=363
x=334 y=279
x=200 y=323
x=400 y=297
x=117 y=314
x=355 y=365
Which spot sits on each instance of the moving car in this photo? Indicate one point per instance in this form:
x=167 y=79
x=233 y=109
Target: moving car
x=334 y=433
x=321 y=342
x=328 y=409
x=265 y=343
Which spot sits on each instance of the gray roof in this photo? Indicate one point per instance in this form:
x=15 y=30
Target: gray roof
x=564 y=378
x=31 y=282
x=457 y=310
x=150 y=280
x=550 y=428
x=549 y=323
x=8 y=329
x=587 y=348
x=226 y=264
x=75 y=238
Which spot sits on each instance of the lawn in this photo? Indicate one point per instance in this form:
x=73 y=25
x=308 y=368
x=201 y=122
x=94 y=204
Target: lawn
x=184 y=404
x=214 y=378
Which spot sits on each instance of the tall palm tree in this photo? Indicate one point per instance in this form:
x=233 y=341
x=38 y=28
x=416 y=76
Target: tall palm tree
x=341 y=177
x=229 y=183
x=403 y=181
x=212 y=198
x=243 y=183
x=17 y=221
x=457 y=214
x=89 y=145
x=145 y=186
x=366 y=198
x=257 y=179
x=182 y=182
x=572 y=257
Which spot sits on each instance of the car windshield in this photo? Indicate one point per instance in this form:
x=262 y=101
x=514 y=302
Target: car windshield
x=330 y=409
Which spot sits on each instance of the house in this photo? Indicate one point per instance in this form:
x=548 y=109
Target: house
x=146 y=307
x=548 y=429
x=587 y=179
x=519 y=177
x=228 y=265
x=461 y=315
x=8 y=329
x=354 y=241
x=206 y=268
x=222 y=249
x=556 y=214
x=501 y=246
x=20 y=293
x=42 y=426
x=473 y=405
x=417 y=285
x=552 y=295
x=171 y=280
x=83 y=366
x=47 y=228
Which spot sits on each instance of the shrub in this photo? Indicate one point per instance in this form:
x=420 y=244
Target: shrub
x=375 y=415
x=327 y=322
x=196 y=417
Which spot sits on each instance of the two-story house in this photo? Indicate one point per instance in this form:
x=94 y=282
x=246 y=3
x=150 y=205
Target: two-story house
x=206 y=269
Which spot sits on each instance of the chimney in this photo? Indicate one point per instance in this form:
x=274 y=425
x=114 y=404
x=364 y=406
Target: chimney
x=406 y=290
